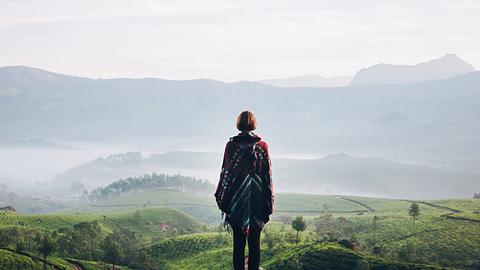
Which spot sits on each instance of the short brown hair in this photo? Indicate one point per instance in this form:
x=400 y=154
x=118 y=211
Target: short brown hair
x=246 y=121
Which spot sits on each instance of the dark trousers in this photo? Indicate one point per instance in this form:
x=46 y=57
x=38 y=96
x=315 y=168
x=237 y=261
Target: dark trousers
x=239 y=241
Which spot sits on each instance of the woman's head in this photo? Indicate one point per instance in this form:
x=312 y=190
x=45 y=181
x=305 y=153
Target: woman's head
x=246 y=121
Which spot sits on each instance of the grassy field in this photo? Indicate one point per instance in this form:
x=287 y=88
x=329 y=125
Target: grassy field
x=439 y=237
x=200 y=207
x=205 y=210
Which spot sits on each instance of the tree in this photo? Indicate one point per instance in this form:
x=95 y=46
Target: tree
x=346 y=227
x=324 y=224
x=299 y=225
x=111 y=251
x=46 y=247
x=375 y=223
x=407 y=252
x=414 y=212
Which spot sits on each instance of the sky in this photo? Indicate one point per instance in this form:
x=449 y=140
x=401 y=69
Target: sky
x=233 y=40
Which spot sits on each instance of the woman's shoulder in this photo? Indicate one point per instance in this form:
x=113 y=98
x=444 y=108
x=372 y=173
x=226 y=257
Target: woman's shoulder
x=263 y=144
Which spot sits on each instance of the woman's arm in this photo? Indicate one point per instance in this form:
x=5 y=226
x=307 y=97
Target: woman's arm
x=267 y=172
x=224 y=181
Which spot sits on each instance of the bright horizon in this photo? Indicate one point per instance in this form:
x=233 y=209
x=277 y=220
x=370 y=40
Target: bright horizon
x=232 y=41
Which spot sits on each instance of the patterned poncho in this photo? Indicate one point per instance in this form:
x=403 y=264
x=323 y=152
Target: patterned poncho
x=245 y=191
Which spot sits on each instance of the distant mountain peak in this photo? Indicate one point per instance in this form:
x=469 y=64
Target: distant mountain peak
x=449 y=65
x=450 y=56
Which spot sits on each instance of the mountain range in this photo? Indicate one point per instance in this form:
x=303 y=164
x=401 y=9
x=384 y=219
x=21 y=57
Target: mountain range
x=449 y=65
x=433 y=122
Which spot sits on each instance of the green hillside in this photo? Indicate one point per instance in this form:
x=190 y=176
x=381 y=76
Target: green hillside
x=88 y=241
x=332 y=256
x=204 y=207
x=145 y=222
x=213 y=251
x=12 y=260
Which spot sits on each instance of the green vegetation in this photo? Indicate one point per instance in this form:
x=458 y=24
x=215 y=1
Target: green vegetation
x=340 y=232
x=213 y=251
x=176 y=250
x=331 y=256
x=12 y=260
x=117 y=239
x=145 y=222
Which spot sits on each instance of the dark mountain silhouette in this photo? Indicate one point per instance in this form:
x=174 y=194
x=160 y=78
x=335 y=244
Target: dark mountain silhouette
x=444 y=67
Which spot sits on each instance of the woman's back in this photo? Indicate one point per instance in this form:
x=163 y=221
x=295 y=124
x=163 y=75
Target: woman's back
x=245 y=191
x=247 y=174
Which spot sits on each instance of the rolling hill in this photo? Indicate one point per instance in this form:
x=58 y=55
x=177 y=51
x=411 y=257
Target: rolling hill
x=333 y=174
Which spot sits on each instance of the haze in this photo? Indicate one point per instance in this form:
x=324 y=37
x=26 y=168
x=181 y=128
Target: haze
x=377 y=98
x=232 y=40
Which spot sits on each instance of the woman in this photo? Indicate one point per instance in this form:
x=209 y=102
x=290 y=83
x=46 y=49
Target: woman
x=245 y=191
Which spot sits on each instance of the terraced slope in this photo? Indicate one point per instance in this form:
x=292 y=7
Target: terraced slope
x=213 y=251
x=148 y=222
x=205 y=209
x=12 y=260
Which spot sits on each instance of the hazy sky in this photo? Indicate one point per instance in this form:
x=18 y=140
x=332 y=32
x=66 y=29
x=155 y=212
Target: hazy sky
x=233 y=40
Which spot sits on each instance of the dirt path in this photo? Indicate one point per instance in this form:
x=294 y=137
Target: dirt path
x=153 y=204
x=369 y=209
x=321 y=211
x=452 y=210
x=450 y=214
x=74 y=264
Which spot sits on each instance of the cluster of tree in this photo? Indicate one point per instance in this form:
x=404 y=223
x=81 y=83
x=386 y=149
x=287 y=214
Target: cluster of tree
x=151 y=182
x=326 y=228
x=84 y=241
x=23 y=240
x=329 y=228
x=476 y=195
x=274 y=238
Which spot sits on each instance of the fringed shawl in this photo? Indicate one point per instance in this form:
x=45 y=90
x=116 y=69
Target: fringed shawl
x=245 y=191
